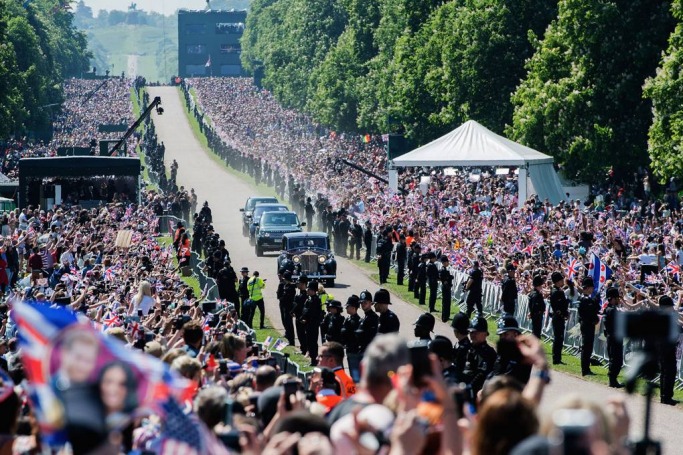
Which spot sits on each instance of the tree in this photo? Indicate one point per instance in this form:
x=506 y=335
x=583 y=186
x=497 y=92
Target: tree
x=463 y=64
x=11 y=84
x=666 y=92
x=582 y=99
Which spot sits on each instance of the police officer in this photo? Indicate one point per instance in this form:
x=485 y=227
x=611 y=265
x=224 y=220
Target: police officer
x=388 y=321
x=461 y=325
x=350 y=325
x=537 y=306
x=615 y=347
x=480 y=358
x=420 y=289
x=509 y=291
x=667 y=360
x=474 y=288
x=401 y=256
x=559 y=307
x=310 y=211
x=243 y=290
x=446 y=287
x=432 y=272
x=424 y=326
x=413 y=261
x=443 y=349
x=311 y=317
x=509 y=360
x=286 y=293
x=588 y=311
x=356 y=235
x=348 y=336
x=367 y=240
x=298 y=310
x=331 y=326
x=384 y=249
x=367 y=329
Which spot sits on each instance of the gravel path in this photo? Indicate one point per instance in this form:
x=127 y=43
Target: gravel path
x=227 y=193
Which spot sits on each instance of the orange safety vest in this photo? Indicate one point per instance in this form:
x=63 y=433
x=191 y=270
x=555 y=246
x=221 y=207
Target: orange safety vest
x=348 y=386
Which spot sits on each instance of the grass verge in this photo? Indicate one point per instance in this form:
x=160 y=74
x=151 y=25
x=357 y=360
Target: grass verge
x=571 y=363
x=137 y=109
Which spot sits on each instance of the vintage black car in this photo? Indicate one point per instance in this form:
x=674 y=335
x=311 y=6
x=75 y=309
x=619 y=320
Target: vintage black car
x=308 y=253
x=272 y=226
x=248 y=209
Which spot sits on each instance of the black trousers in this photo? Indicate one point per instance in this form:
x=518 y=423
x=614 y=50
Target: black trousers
x=286 y=317
x=537 y=326
x=301 y=334
x=433 y=290
x=509 y=307
x=411 y=281
x=249 y=314
x=421 y=292
x=401 y=272
x=667 y=378
x=368 y=252
x=354 y=248
x=309 y=223
x=446 y=298
x=473 y=302
x=558 y=337
x=587 y=341
x=384 y=266
x=312 y=334
x=615 y=352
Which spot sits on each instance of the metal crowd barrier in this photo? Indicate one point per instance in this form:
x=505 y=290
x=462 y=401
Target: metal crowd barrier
x=289 y=367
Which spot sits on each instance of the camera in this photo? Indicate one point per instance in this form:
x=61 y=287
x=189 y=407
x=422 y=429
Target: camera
x=650 y=325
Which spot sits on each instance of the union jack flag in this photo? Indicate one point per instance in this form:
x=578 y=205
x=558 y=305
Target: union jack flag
x=41 y=333
x=673 y=269
x=112 y=320
x=528 y=250
x=653 y=278
x=573 y=267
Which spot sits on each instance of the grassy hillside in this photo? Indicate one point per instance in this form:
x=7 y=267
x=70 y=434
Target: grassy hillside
x=136 y=48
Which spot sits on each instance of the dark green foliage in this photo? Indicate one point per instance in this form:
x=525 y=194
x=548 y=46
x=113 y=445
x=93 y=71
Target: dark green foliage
x=582 y=100
x=39 y=48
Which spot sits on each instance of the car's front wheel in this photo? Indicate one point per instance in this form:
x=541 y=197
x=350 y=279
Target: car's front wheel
x=259 y=250
x=329 y=283
x=245 y=230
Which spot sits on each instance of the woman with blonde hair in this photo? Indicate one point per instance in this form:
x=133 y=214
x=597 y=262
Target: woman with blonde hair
x=143 y=300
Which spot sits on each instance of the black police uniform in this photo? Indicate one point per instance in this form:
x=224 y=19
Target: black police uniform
x=559 y=306
x=536 y=311
x=475 y=292
x=460 y=353
x=413 y=264
x=297 y=312
x=401 y=256
x=509 y=295
x=286 y=296
x=310 y=211
x=367 y=329
x=348 y=333
x=244 y=293
x=311 y=317
x=480 y=361
x=331 y=327
x=615 y=348
x=367 y=240
x=433 y=282
x=446 y=293
x=384 y=249
x=388 y=322
x=588 y=318
x=420 y=289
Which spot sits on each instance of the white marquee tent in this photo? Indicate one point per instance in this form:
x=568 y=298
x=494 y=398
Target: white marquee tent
x=472 y=145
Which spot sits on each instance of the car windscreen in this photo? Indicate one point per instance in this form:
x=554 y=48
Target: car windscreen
x=309 y=242
x=253 y=201
x=279 y=219
x=260 y=210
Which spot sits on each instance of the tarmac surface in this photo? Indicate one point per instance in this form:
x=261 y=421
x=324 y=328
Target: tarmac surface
x=227 y=193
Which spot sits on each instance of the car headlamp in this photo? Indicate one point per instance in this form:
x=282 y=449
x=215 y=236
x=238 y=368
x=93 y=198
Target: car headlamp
x=266 y=234
x=296 y=259
x=321 y=259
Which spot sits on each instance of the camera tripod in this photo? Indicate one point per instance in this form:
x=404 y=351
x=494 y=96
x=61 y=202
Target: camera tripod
x=645 y=366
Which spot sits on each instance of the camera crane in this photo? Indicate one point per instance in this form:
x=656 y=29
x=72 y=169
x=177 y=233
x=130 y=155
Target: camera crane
x=156 y=103
x=339 y=165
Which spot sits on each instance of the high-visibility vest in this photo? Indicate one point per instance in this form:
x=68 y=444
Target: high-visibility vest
x=255 y=287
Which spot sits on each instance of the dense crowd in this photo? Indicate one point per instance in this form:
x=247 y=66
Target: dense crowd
x=88 y=103
x=447 y=212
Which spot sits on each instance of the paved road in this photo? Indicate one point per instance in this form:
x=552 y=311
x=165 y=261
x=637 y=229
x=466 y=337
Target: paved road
x=227 y=193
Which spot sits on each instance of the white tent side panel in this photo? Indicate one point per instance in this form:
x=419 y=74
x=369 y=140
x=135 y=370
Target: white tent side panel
x=544 y=182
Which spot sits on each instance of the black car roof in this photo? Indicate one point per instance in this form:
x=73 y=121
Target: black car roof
x=303 y=235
